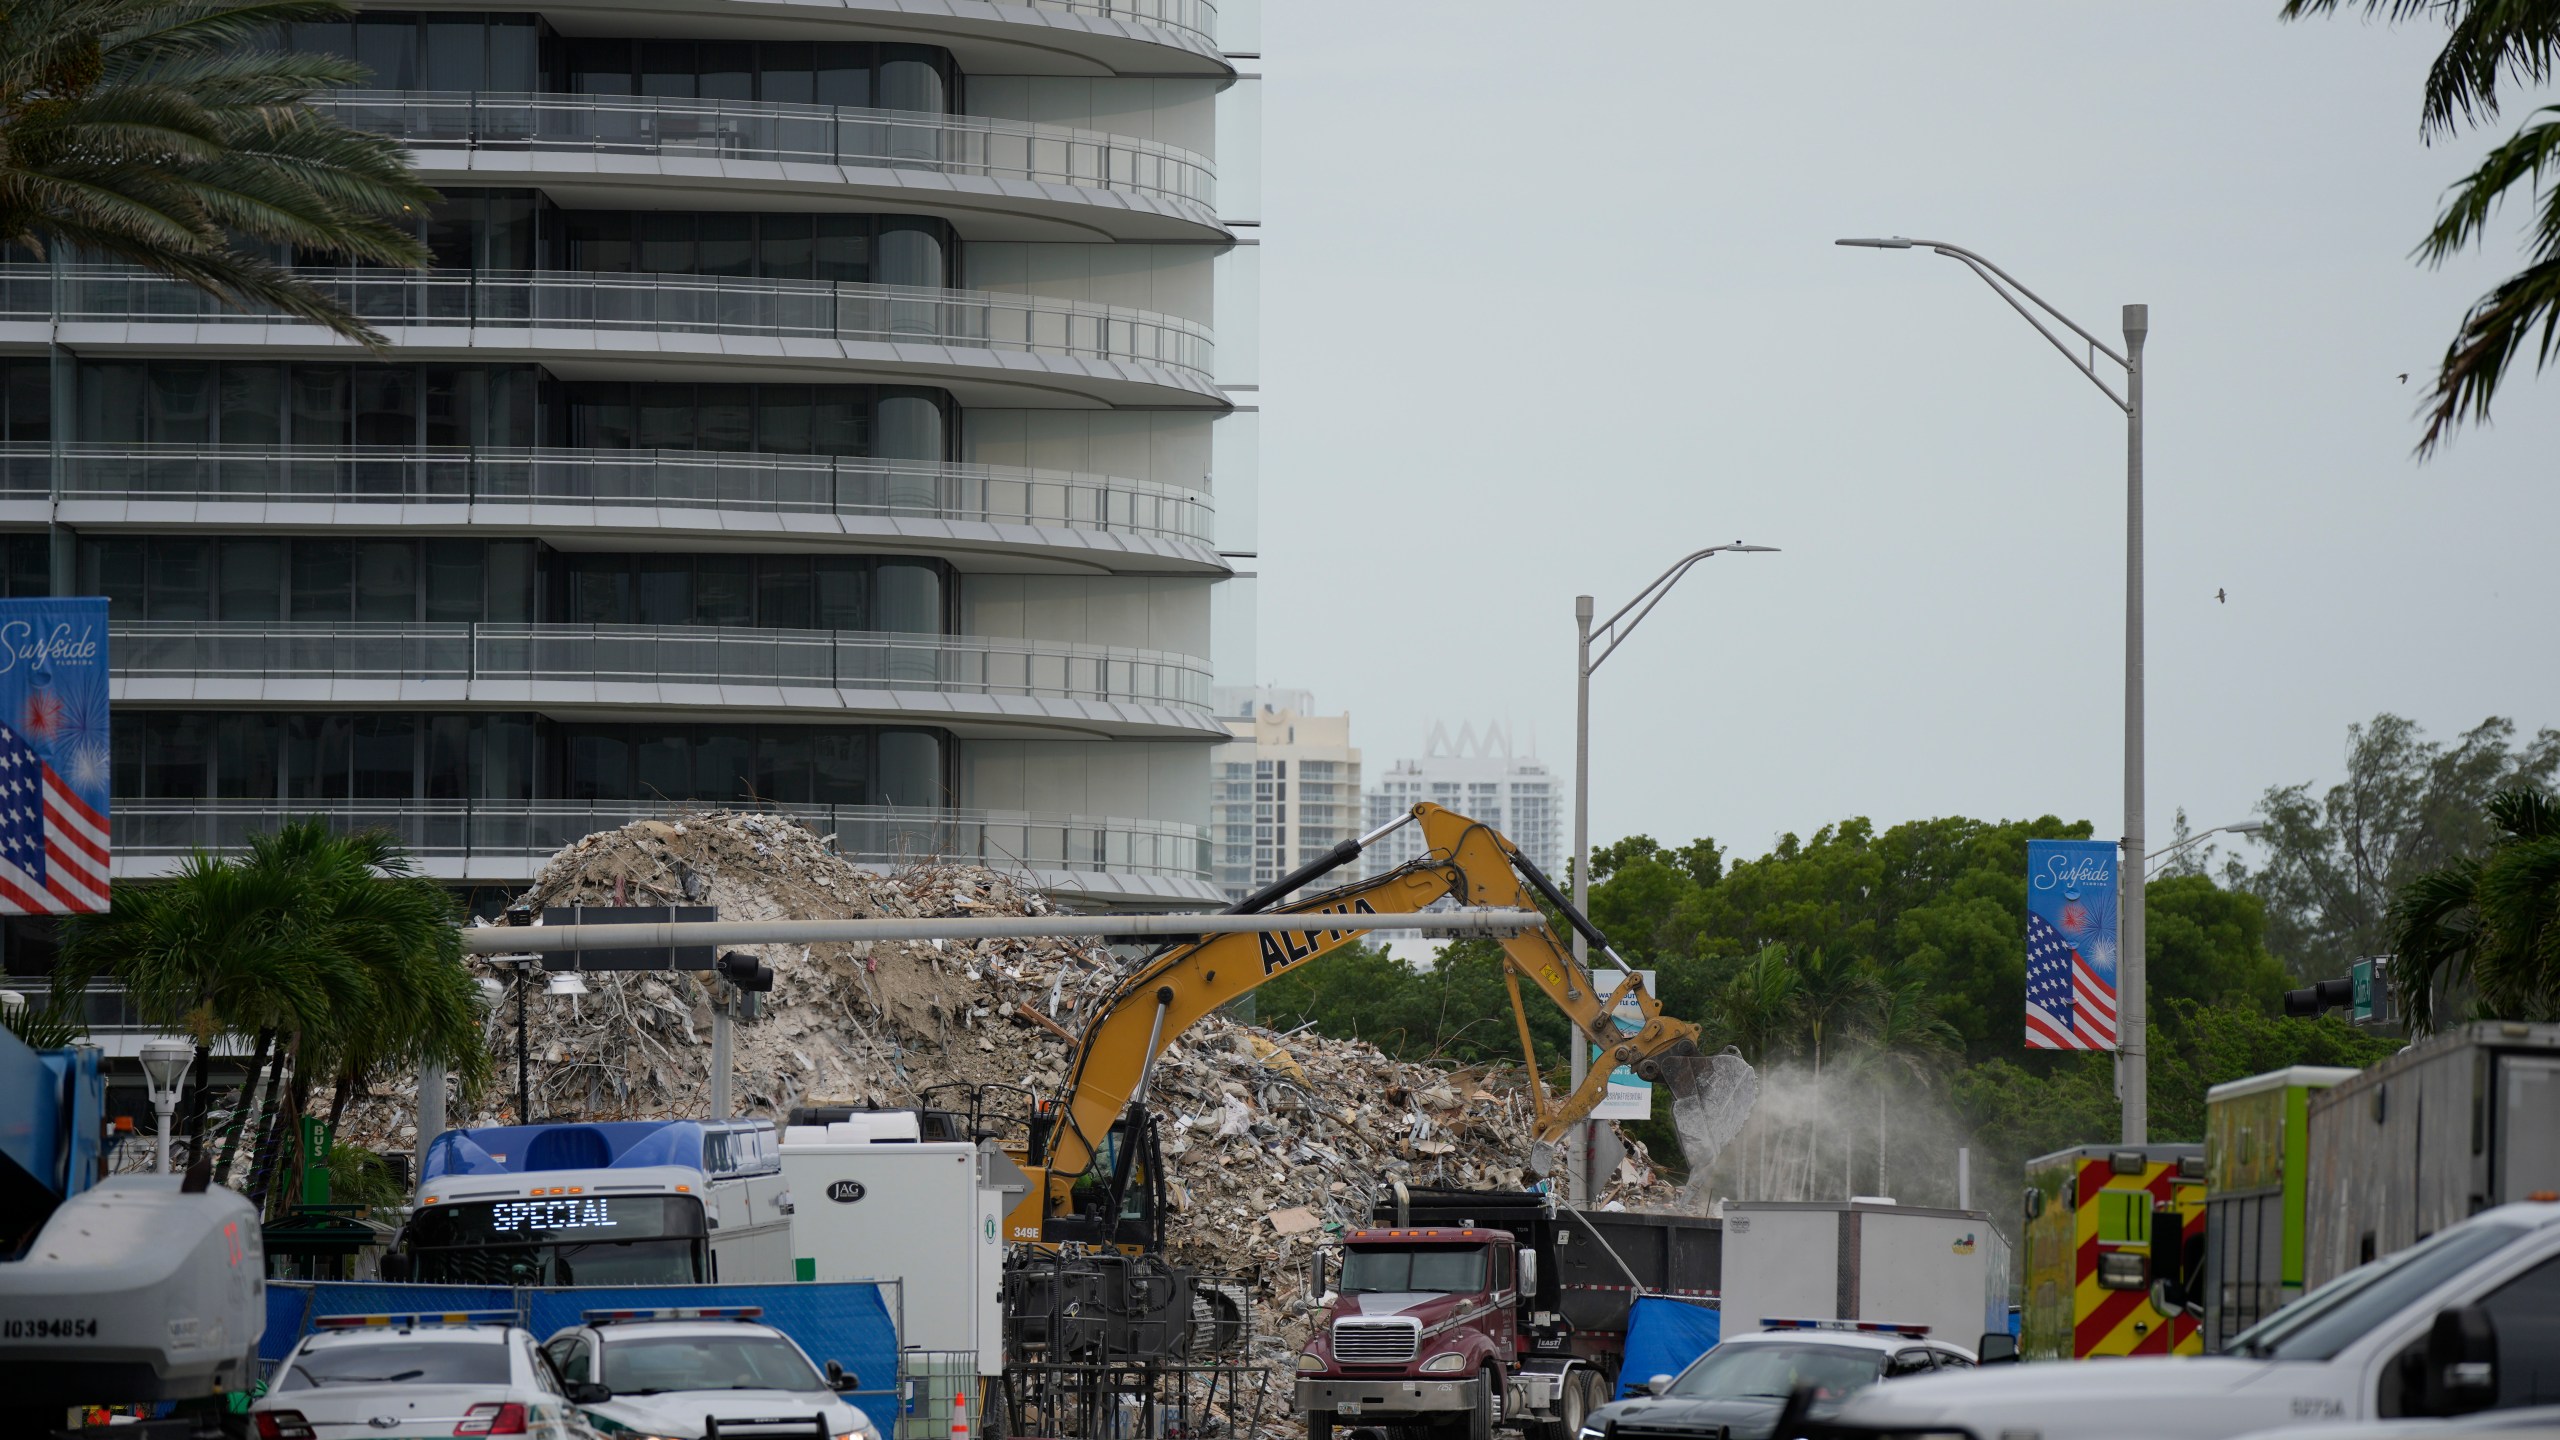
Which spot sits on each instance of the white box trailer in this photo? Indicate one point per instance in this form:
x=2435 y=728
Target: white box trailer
x=1864 y=1260
x=872 y=1202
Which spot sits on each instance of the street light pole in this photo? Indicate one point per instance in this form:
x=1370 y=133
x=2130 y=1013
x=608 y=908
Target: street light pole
x=1614 y=631
x=2133 y=1040
x=2132 y=964
x=164 y=1072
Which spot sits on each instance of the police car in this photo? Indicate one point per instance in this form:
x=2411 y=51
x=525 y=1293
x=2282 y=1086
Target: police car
x=1736 y=1390
x=687 y=1373
x=393 y=1377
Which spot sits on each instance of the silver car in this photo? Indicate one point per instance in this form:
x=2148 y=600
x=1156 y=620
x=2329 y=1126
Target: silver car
x=393 y=1377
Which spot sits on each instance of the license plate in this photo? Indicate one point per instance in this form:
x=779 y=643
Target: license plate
x=1347 y=1408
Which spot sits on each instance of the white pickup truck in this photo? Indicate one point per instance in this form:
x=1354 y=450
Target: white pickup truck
x=2467 y=1320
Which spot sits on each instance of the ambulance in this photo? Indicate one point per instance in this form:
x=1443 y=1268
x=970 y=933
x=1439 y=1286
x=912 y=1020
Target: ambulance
x=2114 y=1252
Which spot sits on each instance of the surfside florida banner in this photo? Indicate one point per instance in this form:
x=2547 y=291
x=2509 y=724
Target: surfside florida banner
x=55 y=757
x=2071 y=945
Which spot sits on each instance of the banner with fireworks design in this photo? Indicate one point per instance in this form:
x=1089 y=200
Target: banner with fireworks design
x=2071 y=945
x=55 y=757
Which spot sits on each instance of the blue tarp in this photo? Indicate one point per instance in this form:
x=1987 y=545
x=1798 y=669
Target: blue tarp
x=848 y=1322
x=1663 y=1336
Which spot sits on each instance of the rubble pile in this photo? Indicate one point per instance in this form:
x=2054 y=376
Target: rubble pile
x=1272 y=1141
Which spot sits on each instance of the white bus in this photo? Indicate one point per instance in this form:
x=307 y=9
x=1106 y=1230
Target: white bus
x=634 y=1202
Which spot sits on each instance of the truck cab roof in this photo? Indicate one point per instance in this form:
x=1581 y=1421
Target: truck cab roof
x=1431 y=1234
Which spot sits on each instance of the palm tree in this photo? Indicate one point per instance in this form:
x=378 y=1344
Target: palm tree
x=1837 y=990
x=213 y=951
x=2486 y=40
x=2492 y=923
x=404 y=931
x=172 y=135
x=1759 y=1005
x=326 y=947
x=1907 y=1044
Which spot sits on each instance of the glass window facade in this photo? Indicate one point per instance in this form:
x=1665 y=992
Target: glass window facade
x=795 y=72
x=396 y=578
x=518 y=53
x=26 y=400
x=266 y=755
x=266 y=402
x=849 y=249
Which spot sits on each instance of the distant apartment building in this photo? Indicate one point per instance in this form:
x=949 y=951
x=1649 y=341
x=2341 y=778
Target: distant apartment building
x=1284 y=790
x=1478 y=775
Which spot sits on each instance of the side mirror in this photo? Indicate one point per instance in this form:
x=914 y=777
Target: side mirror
x=2462 y=1362
x=841 y=1379
x=1528 y=1274
x=394 y=1267
x=1657 y=1385
x=1996 y=1347
x=586 y=1392
x=1319 y=1271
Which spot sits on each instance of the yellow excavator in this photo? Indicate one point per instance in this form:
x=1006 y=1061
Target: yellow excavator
x=1091 y=1157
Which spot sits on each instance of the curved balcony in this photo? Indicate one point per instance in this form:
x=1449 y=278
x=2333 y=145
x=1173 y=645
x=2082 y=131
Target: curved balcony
x=966 y=683
x=999 y=516
x=986 y=37
x=995 y=179
x=507 y=841
x=985 y=348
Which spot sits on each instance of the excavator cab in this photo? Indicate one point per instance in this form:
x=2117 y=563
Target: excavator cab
x=1138 y=1225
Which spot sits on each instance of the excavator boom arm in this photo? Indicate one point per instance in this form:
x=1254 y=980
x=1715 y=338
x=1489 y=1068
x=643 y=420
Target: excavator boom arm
x=1462 y=859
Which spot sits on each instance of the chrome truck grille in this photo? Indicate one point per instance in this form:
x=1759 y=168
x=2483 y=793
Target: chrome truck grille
x=1375 y=1342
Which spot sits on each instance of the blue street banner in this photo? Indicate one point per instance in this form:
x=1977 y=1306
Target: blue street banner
x=2071 y=945
x=54 y=757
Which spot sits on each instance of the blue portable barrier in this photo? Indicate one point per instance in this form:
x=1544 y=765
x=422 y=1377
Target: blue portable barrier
x=849 y=1322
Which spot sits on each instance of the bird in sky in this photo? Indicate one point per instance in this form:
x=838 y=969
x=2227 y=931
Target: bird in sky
x=2222 y=597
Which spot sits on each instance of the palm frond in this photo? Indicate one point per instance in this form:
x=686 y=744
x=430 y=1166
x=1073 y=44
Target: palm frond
x=2486 y=41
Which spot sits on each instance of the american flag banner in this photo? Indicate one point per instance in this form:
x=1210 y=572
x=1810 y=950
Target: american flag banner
x=55 y=757
x=2071 y=945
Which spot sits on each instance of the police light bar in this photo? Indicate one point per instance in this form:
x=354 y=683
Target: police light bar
x=413 y=1321
x=1870 y=1327
x=674 y=1312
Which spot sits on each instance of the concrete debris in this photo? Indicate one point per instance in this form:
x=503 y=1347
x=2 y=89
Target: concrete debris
x=1273 y=1143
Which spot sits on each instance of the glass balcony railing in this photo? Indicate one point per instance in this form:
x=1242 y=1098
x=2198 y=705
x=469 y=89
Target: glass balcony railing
x=661 y=304
x=708 y=655
x=496 y=838
x=661 y=479
x=784 y=134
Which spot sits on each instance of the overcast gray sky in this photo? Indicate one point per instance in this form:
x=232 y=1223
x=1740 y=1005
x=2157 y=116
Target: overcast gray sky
x=1551 y=299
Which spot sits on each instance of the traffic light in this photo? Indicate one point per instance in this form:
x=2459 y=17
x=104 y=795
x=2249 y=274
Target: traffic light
x=746 y=972
x=2322 y=995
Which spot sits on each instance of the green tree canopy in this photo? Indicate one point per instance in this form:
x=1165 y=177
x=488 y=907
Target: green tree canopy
x=2407 y=805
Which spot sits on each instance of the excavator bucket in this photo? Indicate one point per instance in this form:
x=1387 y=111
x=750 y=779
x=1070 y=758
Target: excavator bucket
x=1711 y=1097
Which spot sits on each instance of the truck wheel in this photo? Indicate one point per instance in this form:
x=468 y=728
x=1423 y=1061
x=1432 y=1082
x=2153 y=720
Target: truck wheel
x=1319 y=1425
x=1573 y=1404
x=1479 y=1421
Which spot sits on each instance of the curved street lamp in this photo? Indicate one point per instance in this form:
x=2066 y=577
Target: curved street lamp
x=2236 y=827
x=1613 y=632
x=2133 y=1050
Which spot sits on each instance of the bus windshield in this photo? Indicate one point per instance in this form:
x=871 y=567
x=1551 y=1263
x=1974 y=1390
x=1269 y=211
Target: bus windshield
x=571 y=1240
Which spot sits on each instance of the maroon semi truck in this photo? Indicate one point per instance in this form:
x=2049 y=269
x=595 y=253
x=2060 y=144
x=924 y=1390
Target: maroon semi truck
x=1467 y=1309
